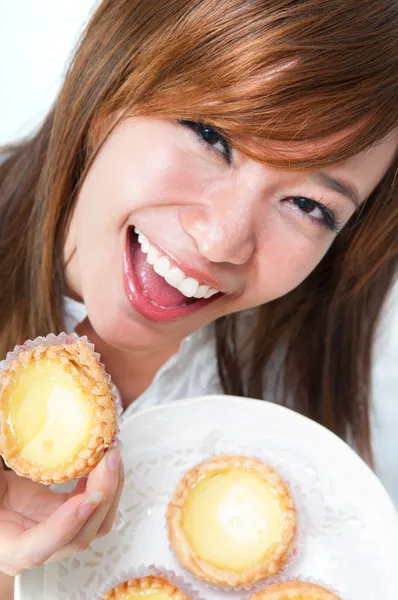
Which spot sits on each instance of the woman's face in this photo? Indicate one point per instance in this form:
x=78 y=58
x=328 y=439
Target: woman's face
x=212 y=218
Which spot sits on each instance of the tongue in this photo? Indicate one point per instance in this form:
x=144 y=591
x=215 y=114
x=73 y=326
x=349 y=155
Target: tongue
x=153 y=286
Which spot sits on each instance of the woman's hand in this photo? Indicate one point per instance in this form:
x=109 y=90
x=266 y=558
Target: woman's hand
x=39 y=526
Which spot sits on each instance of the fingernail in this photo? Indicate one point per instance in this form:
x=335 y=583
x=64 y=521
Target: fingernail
x=113 y=459
x=89 y=505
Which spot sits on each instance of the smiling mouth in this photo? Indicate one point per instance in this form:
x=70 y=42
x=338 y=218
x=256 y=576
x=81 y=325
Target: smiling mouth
x=155 y=287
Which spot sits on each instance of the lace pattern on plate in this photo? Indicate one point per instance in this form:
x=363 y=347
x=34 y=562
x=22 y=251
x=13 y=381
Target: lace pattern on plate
x=342 y=540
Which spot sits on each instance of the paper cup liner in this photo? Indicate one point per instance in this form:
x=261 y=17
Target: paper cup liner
x=277 y=580
x=65 y=338
x=292 y=555
x=145 y=571
x=62 y=339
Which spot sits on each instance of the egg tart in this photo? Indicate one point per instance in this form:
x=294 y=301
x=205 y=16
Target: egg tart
x=57 y=411
x=150 y=588
x=295 y=590
x=232 y=521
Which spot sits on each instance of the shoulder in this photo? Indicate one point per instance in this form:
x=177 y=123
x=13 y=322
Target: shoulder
x=74 y=313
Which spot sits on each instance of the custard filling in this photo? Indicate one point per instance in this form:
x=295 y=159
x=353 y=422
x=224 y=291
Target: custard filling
x=232 y=519
x=49 y=415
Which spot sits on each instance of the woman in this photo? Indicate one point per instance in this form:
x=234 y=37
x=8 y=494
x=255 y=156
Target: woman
x=217 y=185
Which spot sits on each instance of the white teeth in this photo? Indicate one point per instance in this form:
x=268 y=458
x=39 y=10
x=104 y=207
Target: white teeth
x=145 y=246
x=152 y=255
x=174 y=276
x=210 y=293
x=161 y=266
x=189 y=287
x=201 y=291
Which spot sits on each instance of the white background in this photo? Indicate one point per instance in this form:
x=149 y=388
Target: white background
x=36 y=39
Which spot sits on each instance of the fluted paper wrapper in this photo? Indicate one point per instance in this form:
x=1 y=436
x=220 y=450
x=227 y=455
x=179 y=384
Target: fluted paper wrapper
x=298 y=579
x=145 y=571
x=60 y=340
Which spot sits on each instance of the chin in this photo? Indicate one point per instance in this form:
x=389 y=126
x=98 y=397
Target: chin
x=124 y=331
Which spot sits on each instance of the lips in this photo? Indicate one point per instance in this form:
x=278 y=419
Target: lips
x=149 y=293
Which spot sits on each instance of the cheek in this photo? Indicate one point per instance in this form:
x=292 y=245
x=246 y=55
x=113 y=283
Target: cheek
x=127 y=177
x=286 y=258
x=70 y=241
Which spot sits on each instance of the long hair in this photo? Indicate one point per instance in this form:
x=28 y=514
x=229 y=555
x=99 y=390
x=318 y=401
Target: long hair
x=266 y=71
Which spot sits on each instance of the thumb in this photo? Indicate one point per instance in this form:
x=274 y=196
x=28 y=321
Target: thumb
x=14 y=521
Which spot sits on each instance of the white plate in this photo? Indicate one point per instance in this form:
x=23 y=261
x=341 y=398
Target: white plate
x=349 y=526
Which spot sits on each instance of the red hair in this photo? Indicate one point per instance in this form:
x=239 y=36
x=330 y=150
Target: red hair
x=264 y=72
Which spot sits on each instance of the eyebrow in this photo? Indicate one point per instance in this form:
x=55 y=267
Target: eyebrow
x=336 y=185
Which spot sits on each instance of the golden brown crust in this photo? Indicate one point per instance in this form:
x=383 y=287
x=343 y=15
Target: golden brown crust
x=276 y=557
x=144 y=584
x=290 y=590
x=78 y=361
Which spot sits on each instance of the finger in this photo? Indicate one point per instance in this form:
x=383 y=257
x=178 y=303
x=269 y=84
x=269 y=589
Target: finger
x=6 y=569
x=9 y=570
x=8 y=518
x=80 y=488
x=109 y=520
x=12 y=524
x=34 y=546
x=96 y=476
x=104 y=478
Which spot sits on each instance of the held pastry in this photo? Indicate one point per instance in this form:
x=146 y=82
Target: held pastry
x=57 y=410
x=295 y=590
x=232 y=521
x=151 y=588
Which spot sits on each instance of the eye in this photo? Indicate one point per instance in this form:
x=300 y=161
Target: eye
x=211 y=138
x=317 y=212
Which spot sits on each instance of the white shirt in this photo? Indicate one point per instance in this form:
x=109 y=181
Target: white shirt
x=192 y=371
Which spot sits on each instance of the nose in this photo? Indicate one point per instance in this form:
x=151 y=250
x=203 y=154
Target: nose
x=222 y=228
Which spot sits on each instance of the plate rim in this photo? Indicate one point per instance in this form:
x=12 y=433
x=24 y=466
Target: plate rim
x=343 y=446
x=35 y=579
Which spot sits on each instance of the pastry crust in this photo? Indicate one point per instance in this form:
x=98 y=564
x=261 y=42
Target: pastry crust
x=295 y=590
x=145 y=584
x=79 y=363
x=274 y=559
